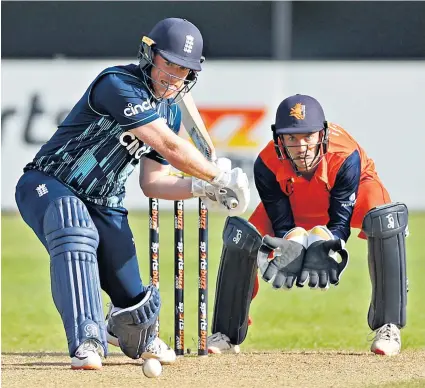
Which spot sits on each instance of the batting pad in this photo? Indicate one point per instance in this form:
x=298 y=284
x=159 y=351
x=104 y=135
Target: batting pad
x=72 y=241
x=135 y=326
x=385 y=227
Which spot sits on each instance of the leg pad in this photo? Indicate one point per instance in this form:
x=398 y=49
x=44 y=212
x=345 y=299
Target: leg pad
x=385 y=227
x=72 y=241
x=236 y=279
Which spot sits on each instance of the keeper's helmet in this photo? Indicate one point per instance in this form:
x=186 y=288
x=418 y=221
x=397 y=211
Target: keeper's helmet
x=177 y=41
x=300 y=114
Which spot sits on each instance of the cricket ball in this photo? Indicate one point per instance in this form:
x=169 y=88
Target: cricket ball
x=152 y=368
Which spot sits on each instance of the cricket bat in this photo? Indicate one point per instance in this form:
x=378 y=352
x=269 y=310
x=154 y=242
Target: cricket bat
x=198 y=133
x=195 y=126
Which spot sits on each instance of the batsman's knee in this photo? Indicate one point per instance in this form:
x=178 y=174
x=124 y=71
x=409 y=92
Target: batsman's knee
x=68 y=227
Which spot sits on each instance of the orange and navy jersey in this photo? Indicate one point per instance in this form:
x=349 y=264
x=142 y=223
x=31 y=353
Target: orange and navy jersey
x=291 y=200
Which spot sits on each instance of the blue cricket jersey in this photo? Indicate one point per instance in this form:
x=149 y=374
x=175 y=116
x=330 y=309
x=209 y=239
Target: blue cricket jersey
x=93 y=151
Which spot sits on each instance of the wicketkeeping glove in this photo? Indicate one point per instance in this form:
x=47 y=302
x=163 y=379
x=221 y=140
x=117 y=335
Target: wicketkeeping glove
x=282 y=271
x=320 y=267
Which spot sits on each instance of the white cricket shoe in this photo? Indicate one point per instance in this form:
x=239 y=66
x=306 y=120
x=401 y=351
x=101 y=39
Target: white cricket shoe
x=87 y=356
x=220 y=343
x=387 y=341
x=159 y=350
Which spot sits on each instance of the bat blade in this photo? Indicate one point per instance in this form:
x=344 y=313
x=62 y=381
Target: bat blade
x=195 y=126
x=197 y=131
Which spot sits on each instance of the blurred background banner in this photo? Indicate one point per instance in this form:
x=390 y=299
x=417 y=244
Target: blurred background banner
x=367 y=71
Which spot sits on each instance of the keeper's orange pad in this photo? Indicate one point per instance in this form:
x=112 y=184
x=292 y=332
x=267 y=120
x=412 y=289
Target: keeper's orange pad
x=371 y=193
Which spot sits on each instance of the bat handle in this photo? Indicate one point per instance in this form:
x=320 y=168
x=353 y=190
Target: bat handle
x=231 y=203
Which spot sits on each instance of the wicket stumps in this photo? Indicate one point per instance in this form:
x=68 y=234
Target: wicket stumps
x=154 y=245
x=179 y=270
x=179 y=277
x=203 y=280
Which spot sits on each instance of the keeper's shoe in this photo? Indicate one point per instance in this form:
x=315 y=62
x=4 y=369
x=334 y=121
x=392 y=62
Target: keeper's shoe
x=87 y=356
x=220 y=343
x=387 y=341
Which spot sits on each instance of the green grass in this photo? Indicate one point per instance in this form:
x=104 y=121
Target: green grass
x=299 y=319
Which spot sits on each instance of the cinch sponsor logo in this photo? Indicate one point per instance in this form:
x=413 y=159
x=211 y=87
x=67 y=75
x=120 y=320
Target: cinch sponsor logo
x=134 y=146
x=133 y=110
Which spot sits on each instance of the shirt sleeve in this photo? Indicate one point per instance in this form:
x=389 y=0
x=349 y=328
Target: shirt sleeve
x=275 y=201
x=124 y=98
x=343 y=196
x=156 y=157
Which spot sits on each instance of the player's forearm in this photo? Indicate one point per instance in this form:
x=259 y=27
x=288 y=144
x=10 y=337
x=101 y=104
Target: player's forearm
x=185 y=157
x=179 y=152
x=168 y=187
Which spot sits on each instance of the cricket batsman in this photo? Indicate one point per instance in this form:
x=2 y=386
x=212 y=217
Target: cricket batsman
x=72 y=193
x=315 y=182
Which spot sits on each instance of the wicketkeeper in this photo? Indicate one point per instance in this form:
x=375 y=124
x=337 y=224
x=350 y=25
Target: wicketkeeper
x=315 y=182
